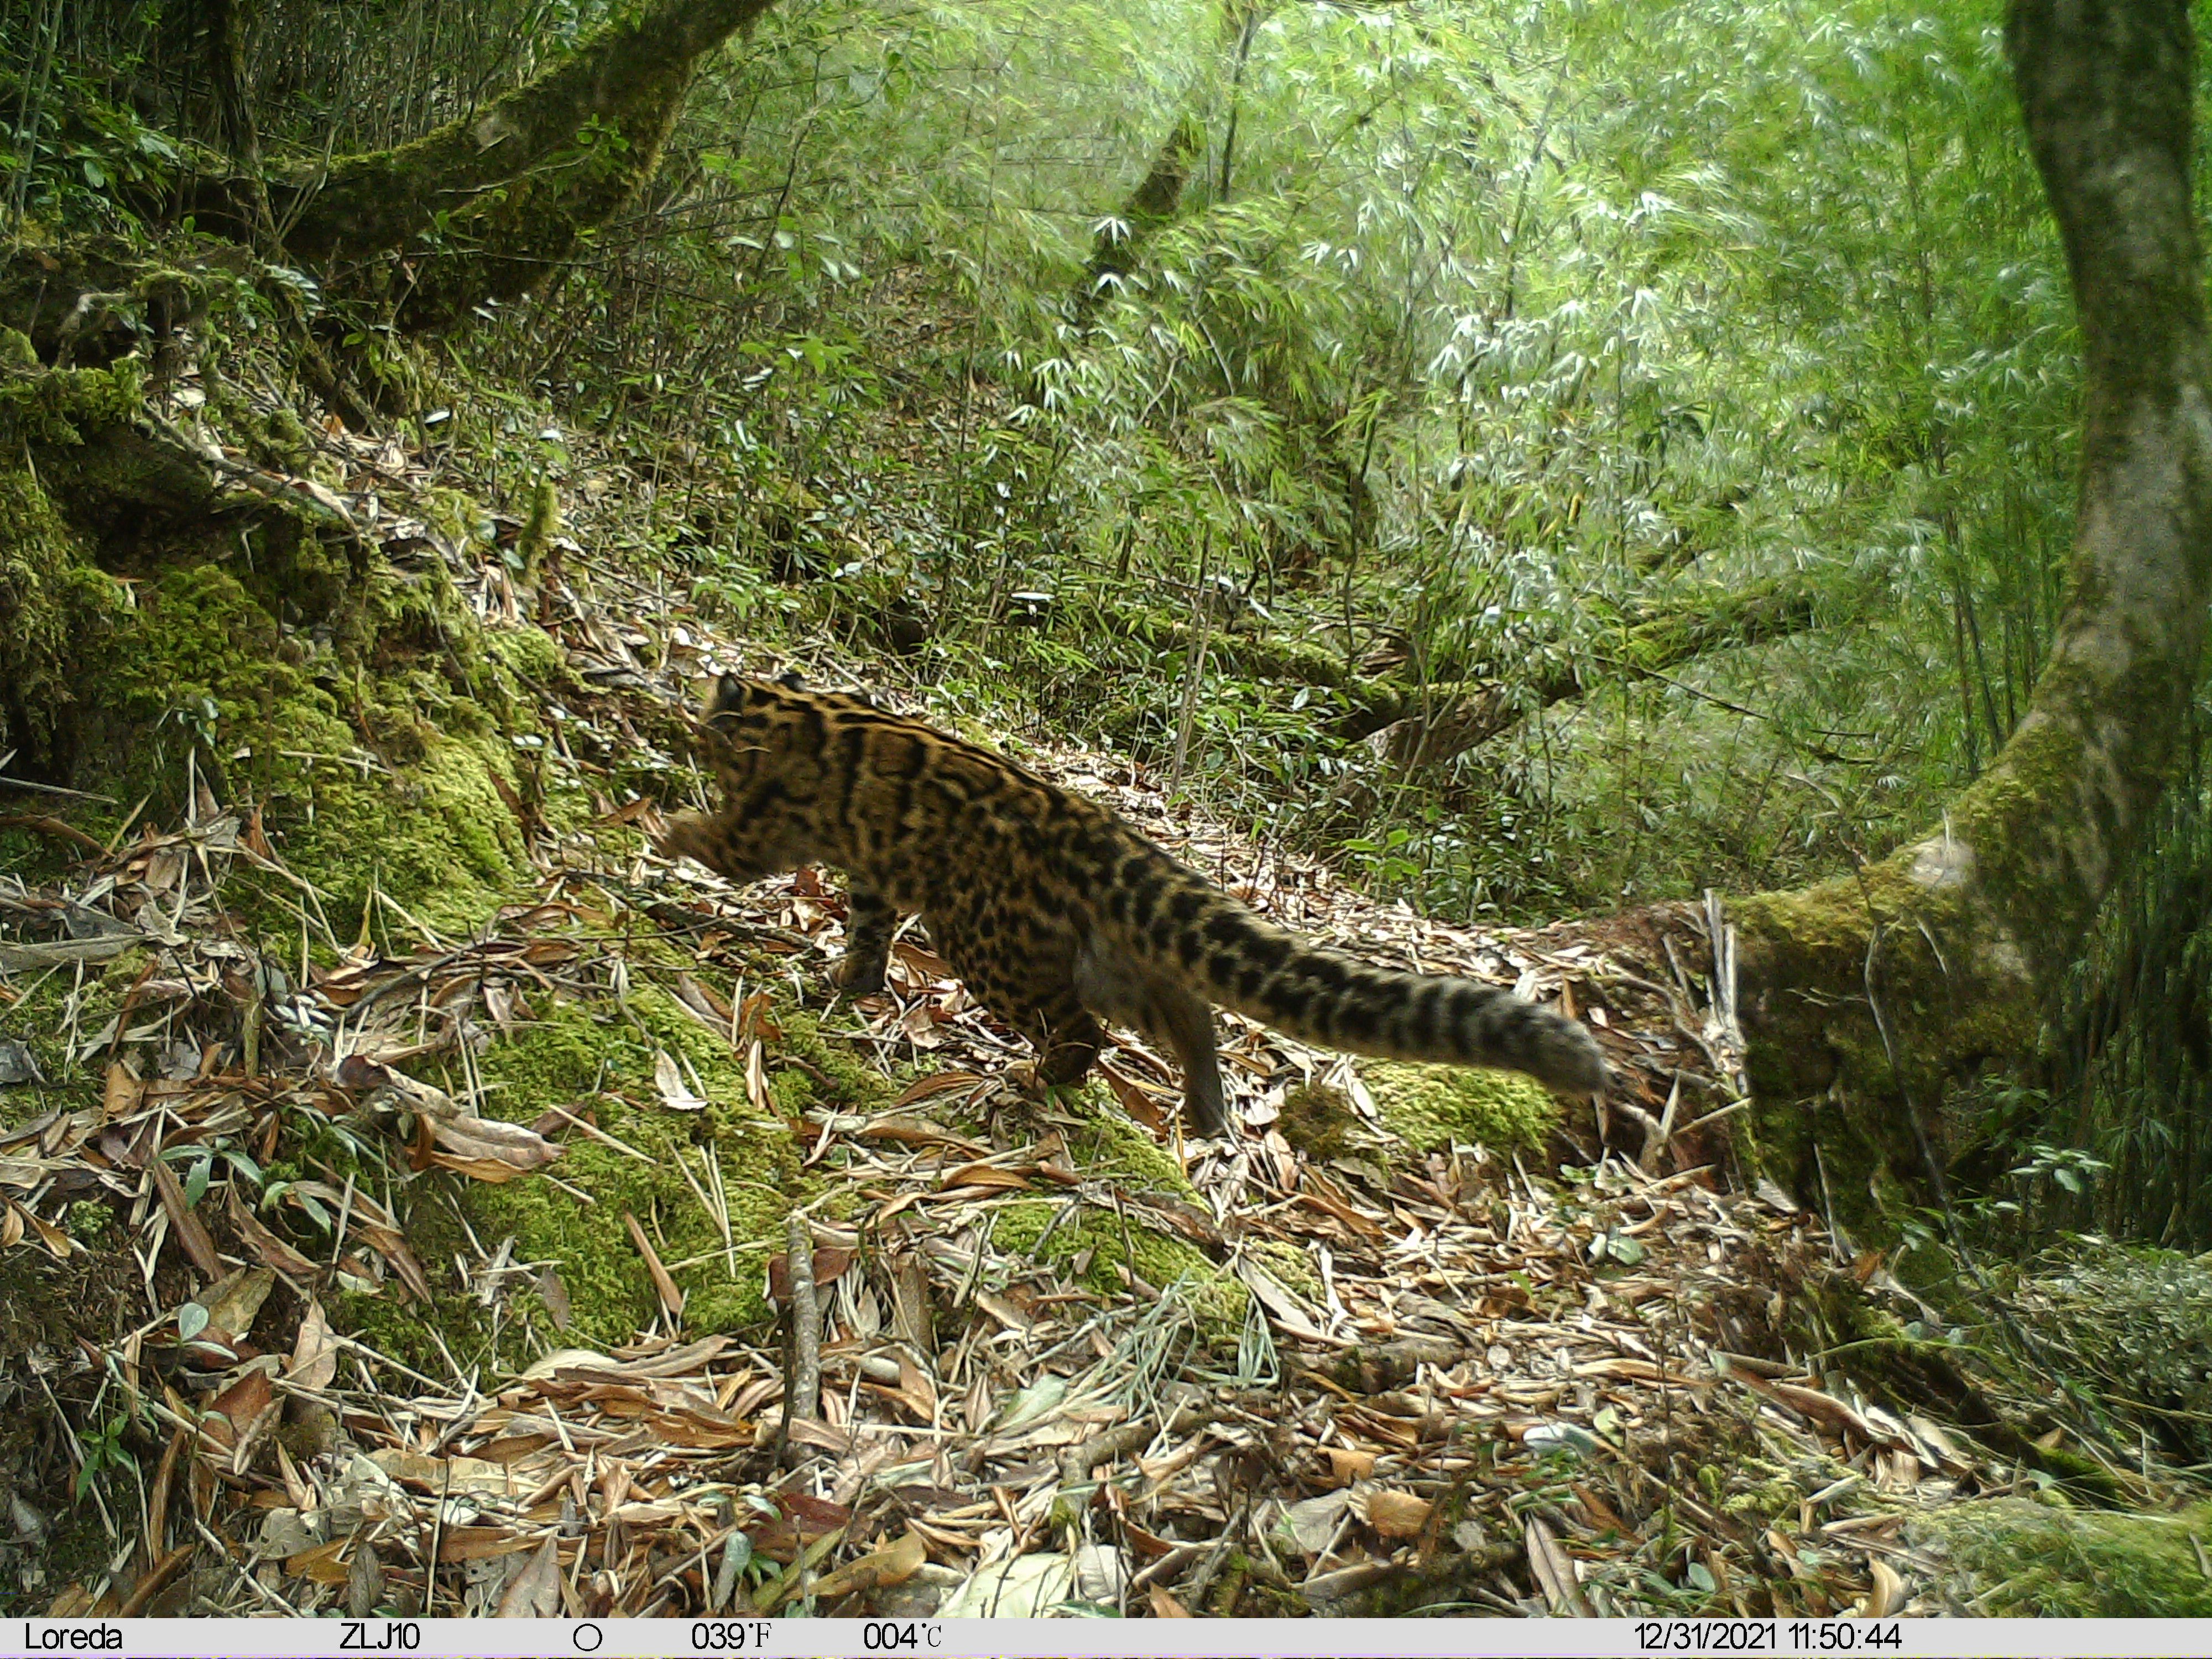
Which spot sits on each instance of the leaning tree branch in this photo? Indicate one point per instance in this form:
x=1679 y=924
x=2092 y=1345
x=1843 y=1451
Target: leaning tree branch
x=489 y=205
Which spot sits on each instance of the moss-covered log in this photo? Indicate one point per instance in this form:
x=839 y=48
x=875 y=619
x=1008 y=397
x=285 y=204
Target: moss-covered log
x=1427 y=726
x=1879 y=992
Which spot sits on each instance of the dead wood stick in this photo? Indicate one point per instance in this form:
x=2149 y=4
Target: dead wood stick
x=45 y=823
x=1078 y=1462
x=803 y=1390
x=156 y=1577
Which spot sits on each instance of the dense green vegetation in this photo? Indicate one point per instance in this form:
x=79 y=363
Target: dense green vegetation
x=1478 y=341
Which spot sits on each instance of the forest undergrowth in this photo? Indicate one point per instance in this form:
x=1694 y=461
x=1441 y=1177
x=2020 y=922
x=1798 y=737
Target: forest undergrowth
x=1443 y=492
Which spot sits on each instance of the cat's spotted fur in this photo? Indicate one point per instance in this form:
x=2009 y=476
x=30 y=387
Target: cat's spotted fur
x=1054 y=912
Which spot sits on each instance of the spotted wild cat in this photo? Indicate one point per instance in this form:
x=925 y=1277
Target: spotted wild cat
x=1054 y=912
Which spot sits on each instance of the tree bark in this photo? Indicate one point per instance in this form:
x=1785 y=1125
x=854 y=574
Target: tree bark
x=1882 y=991
x=1157 y=200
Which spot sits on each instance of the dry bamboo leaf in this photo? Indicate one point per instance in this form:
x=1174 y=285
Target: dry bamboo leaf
x=668 y=1081
x=319 y=1564
x=894 y=1563
x=919 y=1023
x=915 y=1391
x=535 y=1592
x=186 y=1226
x=121 y=1095
x=672 y=1298
x=269 y=1250
x=757 y=1094
x=554 y=1294
x=1552 y=1569
x=233 y=1302
x=1887 y=1594
x=391 y=1244
x=984 y=1177
x=942 y=1083
x=716 y=1015
x=920 y=1131
x=1346 y=1465
x=1163 y=1605
x=57 y=1242
x=443 y=1476
x=487 y=1149
x=484 y=1543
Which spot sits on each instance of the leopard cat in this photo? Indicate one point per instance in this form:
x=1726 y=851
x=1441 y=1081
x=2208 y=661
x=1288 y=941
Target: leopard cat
x=1055 y=913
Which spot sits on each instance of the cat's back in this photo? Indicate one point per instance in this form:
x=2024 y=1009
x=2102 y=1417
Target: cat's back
x=897 y=789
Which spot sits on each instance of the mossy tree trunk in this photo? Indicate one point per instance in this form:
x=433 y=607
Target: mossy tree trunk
x=1153 y=203
x=1882 y=991
x=489 y=205
x=1158 y=201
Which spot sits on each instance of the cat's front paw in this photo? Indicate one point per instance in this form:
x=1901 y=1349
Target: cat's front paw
x=859 y=976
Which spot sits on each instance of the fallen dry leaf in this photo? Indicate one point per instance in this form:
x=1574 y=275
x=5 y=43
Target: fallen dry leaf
x=1397 y=1514
x=535 y=1592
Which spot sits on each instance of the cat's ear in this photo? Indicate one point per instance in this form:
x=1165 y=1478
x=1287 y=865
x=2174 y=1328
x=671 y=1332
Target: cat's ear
x=730 y=694
x=791 y=680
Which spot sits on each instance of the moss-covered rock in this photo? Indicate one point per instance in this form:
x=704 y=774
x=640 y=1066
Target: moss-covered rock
x=363 y=791
x=2048 y=1561
x=1432 y=1106
x=55 y=603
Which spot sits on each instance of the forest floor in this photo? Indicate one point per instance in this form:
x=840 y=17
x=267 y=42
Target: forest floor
x=450 y=1258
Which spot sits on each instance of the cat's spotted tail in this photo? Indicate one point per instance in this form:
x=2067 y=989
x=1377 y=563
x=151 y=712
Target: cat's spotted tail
x=1306 y=990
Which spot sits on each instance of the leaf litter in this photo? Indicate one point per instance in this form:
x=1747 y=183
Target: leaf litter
x=1448 y=1381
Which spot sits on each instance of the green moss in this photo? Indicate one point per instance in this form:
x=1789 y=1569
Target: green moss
x=1110 y=1145
x=1430 y=1106
x=1216 y=1301
x=571 y=1058
x=457 y=516
x=1756 y=1490
x=61 y=406
x=540 y=527
x=202 y=665
x=56 y=1003
x=438 y=837
x=531 y=654
x=55 y=606
x=1290 y=1266
x=2047 y=1560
